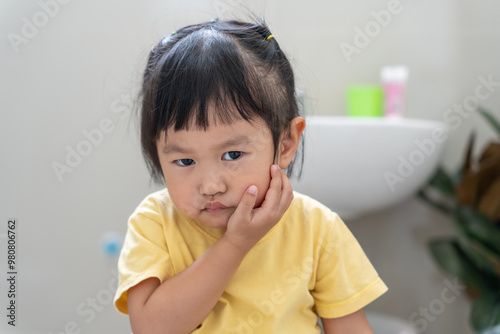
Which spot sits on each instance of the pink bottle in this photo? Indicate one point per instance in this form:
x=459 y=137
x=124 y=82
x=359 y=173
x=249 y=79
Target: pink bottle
x=394 y=79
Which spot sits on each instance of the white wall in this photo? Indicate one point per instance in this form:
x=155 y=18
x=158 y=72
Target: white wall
x=80 y=71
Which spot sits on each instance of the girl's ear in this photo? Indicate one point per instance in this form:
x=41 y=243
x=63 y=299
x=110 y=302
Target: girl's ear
x=290 y=141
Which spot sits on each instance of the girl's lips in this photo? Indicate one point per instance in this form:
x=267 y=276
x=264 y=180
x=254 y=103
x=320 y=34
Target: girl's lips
x=214 y=207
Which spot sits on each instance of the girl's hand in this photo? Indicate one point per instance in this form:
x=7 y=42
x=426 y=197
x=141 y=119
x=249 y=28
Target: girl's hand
x=247 y=225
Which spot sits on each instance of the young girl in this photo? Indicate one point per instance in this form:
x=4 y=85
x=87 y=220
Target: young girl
x=229 y=247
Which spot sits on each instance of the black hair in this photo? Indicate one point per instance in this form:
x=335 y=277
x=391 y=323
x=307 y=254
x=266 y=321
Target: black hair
x=230 y=65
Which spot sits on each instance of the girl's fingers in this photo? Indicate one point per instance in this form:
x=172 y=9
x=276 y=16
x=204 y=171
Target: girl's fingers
x=249 y=224
x=273 y=194
x=247 y=202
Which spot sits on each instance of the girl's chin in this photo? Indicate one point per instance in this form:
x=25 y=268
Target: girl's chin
x=216 y=222
x=217 y=219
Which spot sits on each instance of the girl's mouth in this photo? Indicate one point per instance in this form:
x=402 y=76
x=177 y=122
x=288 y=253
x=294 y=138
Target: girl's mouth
x=214 y=207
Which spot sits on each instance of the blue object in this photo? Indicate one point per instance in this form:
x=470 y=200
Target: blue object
x=111 y=243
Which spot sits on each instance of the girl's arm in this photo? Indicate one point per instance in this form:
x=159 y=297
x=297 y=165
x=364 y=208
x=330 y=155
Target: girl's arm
x=181 y=303
x=354 y=323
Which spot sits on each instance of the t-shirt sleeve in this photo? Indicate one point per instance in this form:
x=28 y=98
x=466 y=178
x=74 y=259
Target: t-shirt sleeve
x=144 y=253
x=346 y=281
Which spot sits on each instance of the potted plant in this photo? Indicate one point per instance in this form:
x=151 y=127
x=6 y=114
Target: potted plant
x=471 y=197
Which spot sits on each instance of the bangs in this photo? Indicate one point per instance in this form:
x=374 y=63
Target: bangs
x=215 y=72
x=207 y=69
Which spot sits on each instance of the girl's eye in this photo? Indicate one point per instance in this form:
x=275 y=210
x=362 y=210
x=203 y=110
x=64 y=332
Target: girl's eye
x=233 y=155
x=184 y=162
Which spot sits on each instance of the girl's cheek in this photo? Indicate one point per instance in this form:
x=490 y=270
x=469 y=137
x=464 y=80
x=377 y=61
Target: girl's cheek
x=234 y=167
x=263 y=189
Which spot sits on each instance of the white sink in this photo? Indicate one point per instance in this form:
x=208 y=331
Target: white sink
x=359 y=165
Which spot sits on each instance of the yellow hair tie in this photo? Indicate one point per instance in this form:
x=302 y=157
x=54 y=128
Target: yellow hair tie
x=269 y=37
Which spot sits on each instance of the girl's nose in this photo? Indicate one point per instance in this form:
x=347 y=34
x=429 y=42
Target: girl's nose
x=213 y=183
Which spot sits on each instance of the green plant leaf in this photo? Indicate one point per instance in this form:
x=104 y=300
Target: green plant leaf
x=478 y=227
x=495 y=124
x=443 y=182
x=485 y=313
x=482 y=258
x=494 y=330
x=451 y=258
x=478 y=253
x=456 y=176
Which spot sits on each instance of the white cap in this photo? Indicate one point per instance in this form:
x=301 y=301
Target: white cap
x=394 y=73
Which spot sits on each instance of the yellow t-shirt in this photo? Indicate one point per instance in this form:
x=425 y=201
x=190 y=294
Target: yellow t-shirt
x=308 y=264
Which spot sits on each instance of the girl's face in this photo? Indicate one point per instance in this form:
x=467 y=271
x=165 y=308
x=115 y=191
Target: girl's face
x=207 y=172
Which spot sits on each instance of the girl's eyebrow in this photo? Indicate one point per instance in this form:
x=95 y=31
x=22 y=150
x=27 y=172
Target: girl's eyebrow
x=237 y=140
x=169 y=148
x=234 y=141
